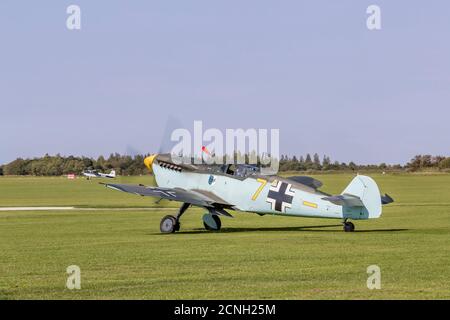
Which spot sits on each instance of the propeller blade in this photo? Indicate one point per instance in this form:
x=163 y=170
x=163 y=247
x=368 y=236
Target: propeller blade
x=166 y=144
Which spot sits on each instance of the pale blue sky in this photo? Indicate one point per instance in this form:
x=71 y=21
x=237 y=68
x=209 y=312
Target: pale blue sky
x=309 y=68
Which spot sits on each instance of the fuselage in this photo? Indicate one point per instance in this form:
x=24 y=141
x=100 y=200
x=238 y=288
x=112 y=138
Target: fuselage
x=256 y=193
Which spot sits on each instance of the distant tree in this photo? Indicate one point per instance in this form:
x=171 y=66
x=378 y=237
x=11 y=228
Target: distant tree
x=415 y=163
x=308 y=159
x=128 y=165
x=426 y=161
x=16 y=167
x=100 y=163
x=352 y=166
x=435 y=161
x=316 y=162
x=308 y=162
x=336 y=165
x=445 y=163
x=88 y=163
x=38 y=167
x=326 y=163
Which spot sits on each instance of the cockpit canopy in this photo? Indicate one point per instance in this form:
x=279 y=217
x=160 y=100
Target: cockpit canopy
x=238 y=170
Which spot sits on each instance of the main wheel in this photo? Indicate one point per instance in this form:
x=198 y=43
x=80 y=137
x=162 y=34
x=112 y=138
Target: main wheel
x=169 y=224
x=349 y=227
x=211 y=222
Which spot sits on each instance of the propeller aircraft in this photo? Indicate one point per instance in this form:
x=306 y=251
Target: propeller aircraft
x=230 y=187
x=89 y=174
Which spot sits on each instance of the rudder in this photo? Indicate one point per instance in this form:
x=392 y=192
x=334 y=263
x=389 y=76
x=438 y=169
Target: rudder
x=366 y=189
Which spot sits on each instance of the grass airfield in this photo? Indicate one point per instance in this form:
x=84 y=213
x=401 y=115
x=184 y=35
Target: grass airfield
x=114 y=238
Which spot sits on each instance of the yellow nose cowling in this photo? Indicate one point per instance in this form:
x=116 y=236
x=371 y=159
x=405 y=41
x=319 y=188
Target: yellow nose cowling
x=148 y=161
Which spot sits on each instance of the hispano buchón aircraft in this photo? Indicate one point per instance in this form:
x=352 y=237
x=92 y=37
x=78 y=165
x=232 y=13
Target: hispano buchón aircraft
x=221 y=188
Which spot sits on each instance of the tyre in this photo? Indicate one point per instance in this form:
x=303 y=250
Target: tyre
x=169 y=224
x=349 y=227
x=211 y=222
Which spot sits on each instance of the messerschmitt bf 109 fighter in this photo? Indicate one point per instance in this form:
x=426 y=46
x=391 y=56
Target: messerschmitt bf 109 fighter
x=223 y=188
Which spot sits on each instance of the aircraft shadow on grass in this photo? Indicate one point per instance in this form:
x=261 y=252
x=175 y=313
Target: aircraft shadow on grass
x=283 y=229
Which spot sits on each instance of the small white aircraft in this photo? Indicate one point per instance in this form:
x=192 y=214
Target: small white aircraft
x=94 y=174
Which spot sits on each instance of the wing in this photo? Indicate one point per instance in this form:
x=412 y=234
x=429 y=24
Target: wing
x=173 y=194
x=307 y=181
x=345 y=200
x=349 y=200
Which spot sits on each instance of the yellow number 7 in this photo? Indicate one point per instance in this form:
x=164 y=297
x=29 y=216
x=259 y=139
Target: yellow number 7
x=260 y=188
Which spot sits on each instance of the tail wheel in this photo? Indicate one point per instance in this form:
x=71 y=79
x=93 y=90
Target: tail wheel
x=169 y=224
x=212 y=222
x=349 y=227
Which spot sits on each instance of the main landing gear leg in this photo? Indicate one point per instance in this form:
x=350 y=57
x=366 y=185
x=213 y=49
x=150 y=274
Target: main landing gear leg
x=170 y=224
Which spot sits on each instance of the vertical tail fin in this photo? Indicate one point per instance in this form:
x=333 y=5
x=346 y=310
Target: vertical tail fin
x=366 y=189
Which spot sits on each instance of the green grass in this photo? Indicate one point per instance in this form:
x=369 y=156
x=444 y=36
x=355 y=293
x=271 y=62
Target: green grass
x=59 y=191
x=122 y=254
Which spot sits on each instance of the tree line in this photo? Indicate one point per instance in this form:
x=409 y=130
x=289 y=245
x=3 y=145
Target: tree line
x=133 y=165
x=315 y=163
x=59 y=165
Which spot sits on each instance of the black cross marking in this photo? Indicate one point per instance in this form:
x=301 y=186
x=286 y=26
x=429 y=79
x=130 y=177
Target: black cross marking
x=280 y=196
x=166 y=193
